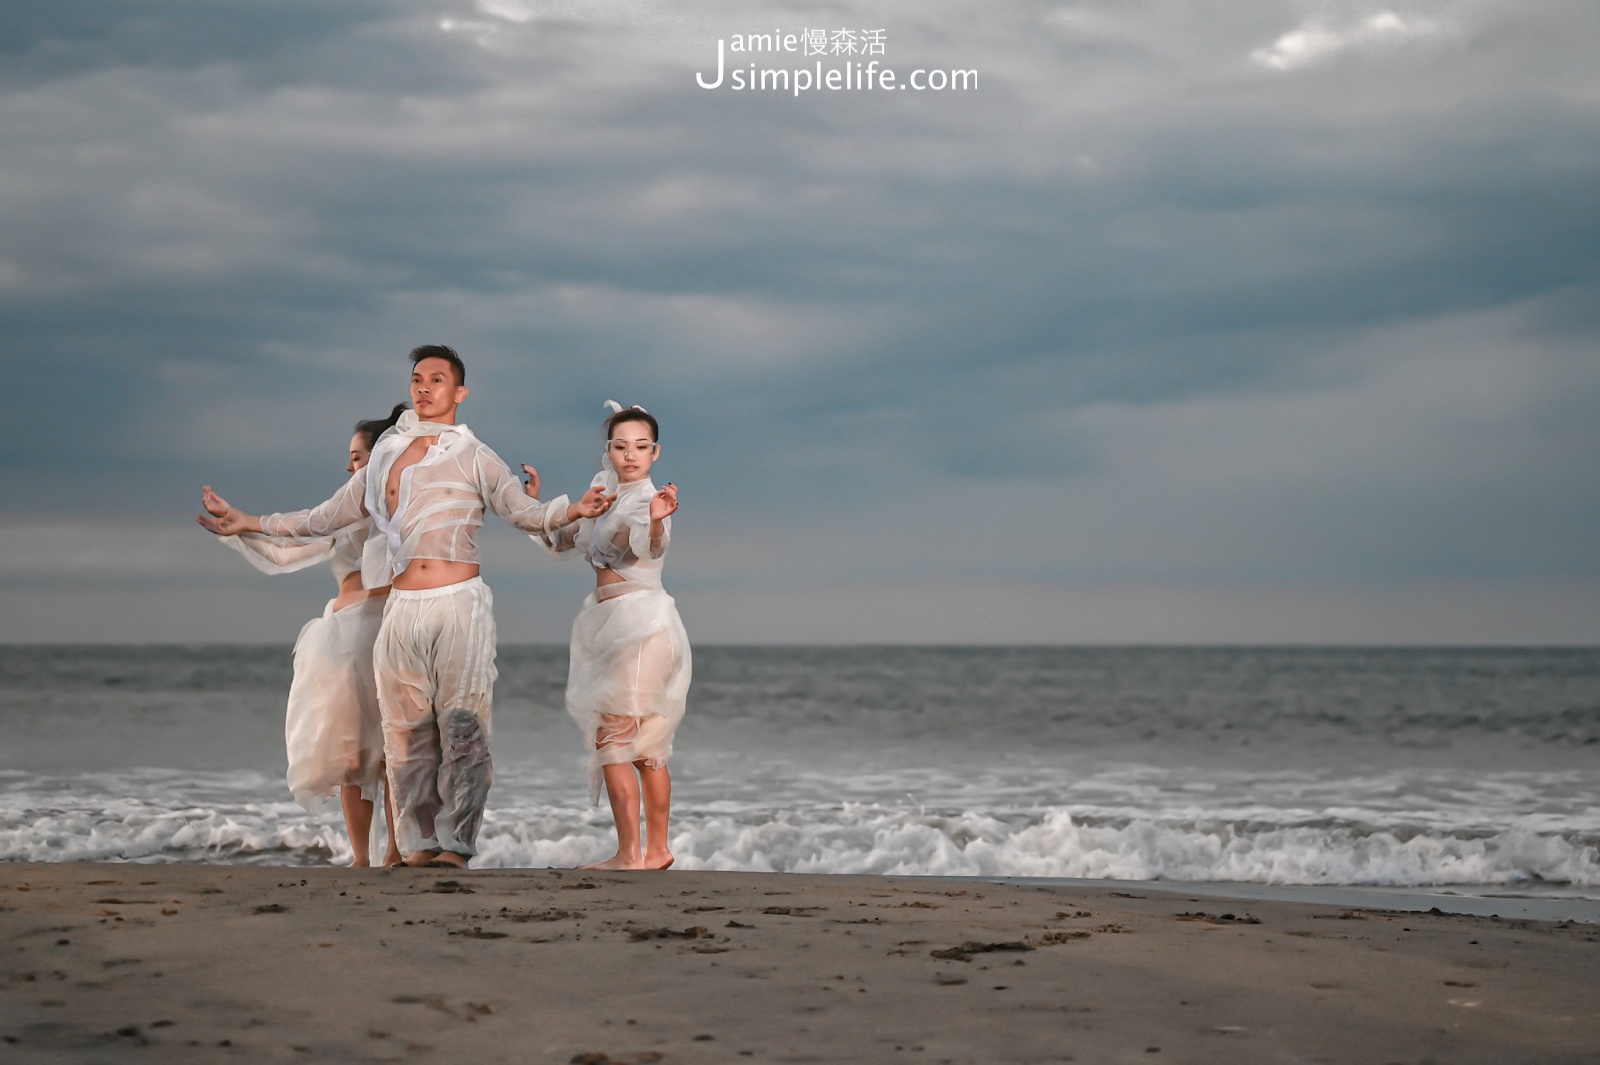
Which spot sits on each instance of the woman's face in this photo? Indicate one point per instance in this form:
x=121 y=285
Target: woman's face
x=359 y=454
x=632 y=451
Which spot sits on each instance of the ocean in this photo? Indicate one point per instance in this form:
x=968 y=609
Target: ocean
x=1472 y=770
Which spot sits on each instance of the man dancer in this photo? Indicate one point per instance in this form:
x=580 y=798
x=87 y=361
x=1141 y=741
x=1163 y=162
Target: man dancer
x=425 y=488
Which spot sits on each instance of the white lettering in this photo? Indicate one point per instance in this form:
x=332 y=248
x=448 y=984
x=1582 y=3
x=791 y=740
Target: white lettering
x=700 y=79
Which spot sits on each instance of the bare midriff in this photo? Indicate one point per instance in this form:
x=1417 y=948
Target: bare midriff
x=435 y=573
x=351 y=592
x=607 y=582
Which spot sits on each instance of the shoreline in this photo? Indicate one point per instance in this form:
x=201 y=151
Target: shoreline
x=208 y=963
x=1482 y=900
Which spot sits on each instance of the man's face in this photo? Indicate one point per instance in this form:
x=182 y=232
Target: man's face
x=434 y=392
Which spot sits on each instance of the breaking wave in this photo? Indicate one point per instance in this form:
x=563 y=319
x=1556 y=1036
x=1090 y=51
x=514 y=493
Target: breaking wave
x=161 y=816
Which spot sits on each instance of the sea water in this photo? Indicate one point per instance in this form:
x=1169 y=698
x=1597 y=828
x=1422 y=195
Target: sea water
x=1461 y=769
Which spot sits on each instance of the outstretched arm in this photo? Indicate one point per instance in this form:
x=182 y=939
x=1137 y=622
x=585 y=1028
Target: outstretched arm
x=346 y=507
x=592 y=504
x=269 y=554
x=514 y=501
x=275 y=554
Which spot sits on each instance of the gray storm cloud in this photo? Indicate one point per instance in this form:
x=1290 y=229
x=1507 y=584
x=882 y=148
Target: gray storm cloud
x=1286 y=296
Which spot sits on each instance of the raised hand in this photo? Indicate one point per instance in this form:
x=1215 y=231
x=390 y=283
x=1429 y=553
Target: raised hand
x=215 y=505
x=222 y=517
x=531 y=485
x=594 y=503
x=664 y=502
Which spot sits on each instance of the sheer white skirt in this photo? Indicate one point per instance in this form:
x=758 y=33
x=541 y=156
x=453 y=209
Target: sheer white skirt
x=628 y=679
x=332 y=730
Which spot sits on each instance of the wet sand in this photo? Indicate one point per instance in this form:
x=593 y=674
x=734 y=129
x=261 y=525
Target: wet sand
x=127 y=963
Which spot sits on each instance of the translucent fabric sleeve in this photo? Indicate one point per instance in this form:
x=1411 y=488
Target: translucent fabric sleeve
x=563 y=538
x=272 y=554
x=658 y=546
x=503 y=494
x=639 y=541
x=346 y=507
x=560 y=540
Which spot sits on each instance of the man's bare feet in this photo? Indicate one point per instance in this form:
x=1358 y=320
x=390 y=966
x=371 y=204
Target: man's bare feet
x=420 y=859
x=448 y=860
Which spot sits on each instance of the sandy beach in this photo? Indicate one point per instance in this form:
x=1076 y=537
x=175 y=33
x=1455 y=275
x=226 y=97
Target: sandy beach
x=217 y=963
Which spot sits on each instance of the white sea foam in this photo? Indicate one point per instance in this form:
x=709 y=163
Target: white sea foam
x=192 y=818
x=1305 y=766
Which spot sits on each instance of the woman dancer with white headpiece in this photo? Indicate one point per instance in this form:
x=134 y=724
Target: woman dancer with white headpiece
x=332 y=730
x=629 y=673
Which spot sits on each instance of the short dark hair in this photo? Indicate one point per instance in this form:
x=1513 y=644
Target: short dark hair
x=370 y=429
x=441 y=351
x=633 y=414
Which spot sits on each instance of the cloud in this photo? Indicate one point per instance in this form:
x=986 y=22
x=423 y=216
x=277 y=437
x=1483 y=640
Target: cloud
x=1133 y=283
x=1316 y=41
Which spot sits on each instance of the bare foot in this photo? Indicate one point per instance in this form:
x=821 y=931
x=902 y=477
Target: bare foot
x=448 y=860
x=421 y=858
x=652 y=861
x=360 y=863
x=392 y=859
x=616 y=861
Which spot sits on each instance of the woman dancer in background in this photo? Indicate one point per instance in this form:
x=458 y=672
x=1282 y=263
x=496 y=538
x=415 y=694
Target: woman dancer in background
x=629 y=673
x=332 y=729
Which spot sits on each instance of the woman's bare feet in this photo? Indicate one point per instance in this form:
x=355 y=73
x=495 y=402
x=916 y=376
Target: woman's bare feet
x=448 y=860
x=420 y=859
x=392 y=859
x=618 y=861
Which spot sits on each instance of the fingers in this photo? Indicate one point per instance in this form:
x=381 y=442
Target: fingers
x=214 y=503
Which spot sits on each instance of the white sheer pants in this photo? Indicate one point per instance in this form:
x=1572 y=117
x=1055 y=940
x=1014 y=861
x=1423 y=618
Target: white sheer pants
x=434 y=661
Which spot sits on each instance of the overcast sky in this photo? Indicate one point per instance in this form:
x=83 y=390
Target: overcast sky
x=1262 y=321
